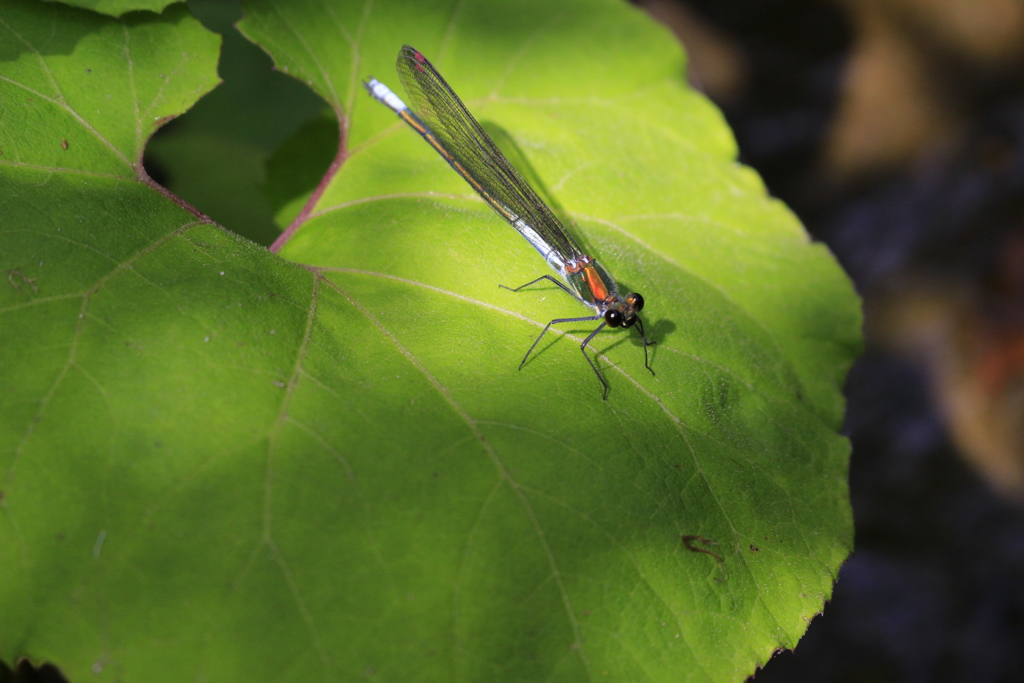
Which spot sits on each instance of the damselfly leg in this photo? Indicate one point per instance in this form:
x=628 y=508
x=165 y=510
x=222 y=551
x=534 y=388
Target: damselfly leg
x=590 y=337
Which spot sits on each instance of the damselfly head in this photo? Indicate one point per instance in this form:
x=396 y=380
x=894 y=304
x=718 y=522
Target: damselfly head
x=636 y=301
x=614 y=318
x=622 y=313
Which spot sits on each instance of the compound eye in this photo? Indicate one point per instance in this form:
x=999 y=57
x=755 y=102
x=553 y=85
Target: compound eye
x=613 y=318
x=629 y=322
x=636 y=300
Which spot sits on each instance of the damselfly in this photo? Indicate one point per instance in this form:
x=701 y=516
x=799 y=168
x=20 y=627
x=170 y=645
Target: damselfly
x=443 y=121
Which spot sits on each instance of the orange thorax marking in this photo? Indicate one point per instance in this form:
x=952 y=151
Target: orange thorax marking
x=595 y=284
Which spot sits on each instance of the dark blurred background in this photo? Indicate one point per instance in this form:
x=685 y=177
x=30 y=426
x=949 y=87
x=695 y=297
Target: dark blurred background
x=895 y=130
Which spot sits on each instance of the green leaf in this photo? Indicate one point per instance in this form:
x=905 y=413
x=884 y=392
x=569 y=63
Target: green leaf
x=116 y=8
x=296 y=169
x=221 y=464
x=215 y=156
x=83 y=93
x=217 y=174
